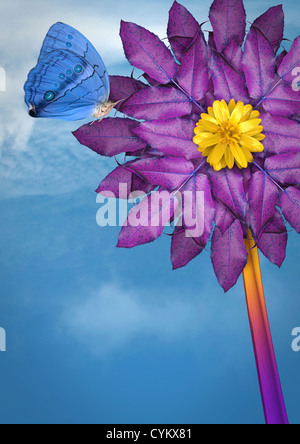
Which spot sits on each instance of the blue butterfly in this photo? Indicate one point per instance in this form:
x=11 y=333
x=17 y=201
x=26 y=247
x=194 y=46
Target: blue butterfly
x=70 y=81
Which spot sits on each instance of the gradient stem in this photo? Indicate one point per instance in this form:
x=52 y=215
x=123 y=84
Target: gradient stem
x=269 y=381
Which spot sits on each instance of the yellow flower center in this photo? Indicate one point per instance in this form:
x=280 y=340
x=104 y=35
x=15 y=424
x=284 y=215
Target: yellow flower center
x=229 y=134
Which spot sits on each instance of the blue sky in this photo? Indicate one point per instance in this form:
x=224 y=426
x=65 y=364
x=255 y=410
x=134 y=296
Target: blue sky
x=99 y=334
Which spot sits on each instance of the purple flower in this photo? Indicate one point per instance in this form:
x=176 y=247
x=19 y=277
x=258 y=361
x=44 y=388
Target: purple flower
x=218 y=115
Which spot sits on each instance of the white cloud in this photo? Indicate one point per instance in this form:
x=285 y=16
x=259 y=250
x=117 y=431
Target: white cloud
x=114 y=318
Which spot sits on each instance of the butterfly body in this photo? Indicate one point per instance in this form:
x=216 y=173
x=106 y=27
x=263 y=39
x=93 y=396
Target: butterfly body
x=70 y=81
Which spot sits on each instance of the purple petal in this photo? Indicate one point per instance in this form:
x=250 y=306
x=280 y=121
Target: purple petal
x=151 y=81
x=193 y=72
x=110 y=137
x=284 y=168
x=223 y=218
x=172 y=137
x=111 y=183
x=182 y=28
x=273 y=241
x=271 y=24
x=211 y=42
x=228 y=19
x=258 y=63
x=123 y=87
x=229 y=255
x=146 y=51
x=282 y=100
x=156 y=103
x=290 y=61
x=282 y=135
x=279 y=58
x=234 y=55
x=263 y=196
x=193 y=218
x=183 y=248
x=146 y=221
x=168 y=172
x=228 y=83
x=125 y=175
x=289 y=203
x=228 y=187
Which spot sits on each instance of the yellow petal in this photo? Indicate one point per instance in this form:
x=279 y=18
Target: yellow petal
x=206 y=151
x=260 y=137
x=231 y=105
x=254 y=115
x=209 y=118
x=208 y=126
x=220 y=113
x=216 y=154
x=237 y=113
x=255 y=132
x=211 y=111
x=246 y=113
x=251 y=144
x=249 y=125
x=225 y=107
x=222 y=164
x=229 y=159
x=238 y=154
x=247 y=154
x=212 y=140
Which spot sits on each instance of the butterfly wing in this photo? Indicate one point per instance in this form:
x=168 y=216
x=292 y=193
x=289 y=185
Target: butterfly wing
x=63 y=37
x=64 y=86
x=70 y=79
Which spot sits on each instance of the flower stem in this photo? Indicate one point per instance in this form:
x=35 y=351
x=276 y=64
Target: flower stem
x=269 y=381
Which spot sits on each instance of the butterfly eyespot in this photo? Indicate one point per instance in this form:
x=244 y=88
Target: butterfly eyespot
x=61 y=76
x=56 y=85
x=50 y=95
x=69 y=72
x=70 y=37
x=78 y=69
x=69 y=45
